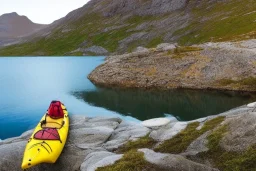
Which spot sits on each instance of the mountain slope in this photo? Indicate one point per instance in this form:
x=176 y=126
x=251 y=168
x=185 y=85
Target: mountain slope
x=120 y=26
x=13 y=25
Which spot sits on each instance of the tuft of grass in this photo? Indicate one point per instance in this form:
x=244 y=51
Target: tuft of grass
x=225 y=160
x=143 y=142
x=181 y=141
x=154 y=42
x=131 y=161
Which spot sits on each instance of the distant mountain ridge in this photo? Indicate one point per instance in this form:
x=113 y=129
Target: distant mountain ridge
x=13 y=25
x=119 y=26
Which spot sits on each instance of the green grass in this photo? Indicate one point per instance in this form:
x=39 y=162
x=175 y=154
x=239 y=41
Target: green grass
x=224 y=21
x=228 y=161
x=143 y=142
x=154 y=42
x=180 y=142
x=131 y=161
x=231 y=20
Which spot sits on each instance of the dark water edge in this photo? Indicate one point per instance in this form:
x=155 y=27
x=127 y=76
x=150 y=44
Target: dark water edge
x=184 y=104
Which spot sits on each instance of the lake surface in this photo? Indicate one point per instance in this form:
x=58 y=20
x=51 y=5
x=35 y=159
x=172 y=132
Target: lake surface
x=28 y=85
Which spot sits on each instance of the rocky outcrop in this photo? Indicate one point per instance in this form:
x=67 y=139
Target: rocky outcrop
x=226 y=66
x=96 y=50
x=94 y=142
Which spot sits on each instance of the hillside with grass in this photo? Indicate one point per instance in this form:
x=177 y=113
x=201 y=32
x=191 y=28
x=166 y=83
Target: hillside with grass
x=113 y=27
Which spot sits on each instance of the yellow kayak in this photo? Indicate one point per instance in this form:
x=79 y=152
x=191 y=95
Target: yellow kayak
x=47 y=141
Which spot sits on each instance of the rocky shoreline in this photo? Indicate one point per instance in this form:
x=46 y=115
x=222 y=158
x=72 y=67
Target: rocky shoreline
x=220 y=66
x=96 y=143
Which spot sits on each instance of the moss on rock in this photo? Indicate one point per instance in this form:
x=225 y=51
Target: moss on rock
x=144 y=142
x=228 y=160
x=131 y=161
x=182 y=140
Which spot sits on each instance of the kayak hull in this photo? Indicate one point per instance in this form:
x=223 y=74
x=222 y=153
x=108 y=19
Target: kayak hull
x=46 y=151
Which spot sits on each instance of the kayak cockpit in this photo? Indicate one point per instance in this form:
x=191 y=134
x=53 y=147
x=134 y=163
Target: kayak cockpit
x=49 y=122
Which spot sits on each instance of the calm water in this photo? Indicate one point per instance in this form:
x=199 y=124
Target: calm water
x=27 y=85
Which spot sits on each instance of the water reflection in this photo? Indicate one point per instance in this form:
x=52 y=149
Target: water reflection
x=183 y=104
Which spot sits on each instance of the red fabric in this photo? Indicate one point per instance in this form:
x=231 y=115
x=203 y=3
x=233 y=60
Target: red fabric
x=55 y=110
x=47 y=134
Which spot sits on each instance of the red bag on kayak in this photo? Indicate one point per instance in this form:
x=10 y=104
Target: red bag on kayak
x=55 y=110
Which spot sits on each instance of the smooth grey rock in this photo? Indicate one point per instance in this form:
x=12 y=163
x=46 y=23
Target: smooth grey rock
x=129 y=130
x=103 y=119
x=114 y=144
x=199 y=145
x=11 y=156
x=78 y=121
x=156 y=122
x=109 y=160
x=241 y=132
x=90 y=137
x=165 y=47
x=98 y=50
x=173 y=162
x=96 y=122
x=141 y=49
x=168 y=131
x=124 y=132
x=98 y=159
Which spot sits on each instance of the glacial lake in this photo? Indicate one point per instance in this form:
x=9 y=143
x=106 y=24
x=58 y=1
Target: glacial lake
x=29 y=84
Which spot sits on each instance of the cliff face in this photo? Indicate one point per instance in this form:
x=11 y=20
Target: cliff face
x=120 y=26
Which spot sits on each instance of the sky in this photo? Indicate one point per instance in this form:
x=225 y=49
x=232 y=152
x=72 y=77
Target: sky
x=41 y=11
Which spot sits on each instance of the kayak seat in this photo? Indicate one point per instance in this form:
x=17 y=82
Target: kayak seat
x=52 y=123
x=47 y=134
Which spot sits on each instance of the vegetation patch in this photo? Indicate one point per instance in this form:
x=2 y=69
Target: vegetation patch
x=182 y=49
x=222 y=21
x=228 y=161
x=154 y=42
x=250 y=81
x=182 y=140
x=131 y=161
x=144 y=142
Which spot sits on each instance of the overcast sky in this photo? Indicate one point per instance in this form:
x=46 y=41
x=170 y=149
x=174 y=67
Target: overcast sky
x=41 y=11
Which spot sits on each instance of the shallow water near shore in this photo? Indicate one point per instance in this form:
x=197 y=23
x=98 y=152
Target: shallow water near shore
x=27 y=86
